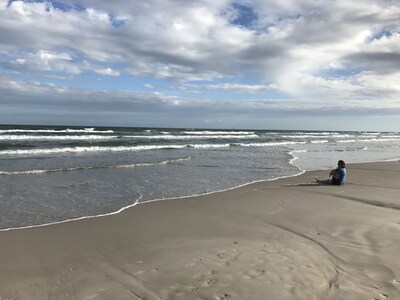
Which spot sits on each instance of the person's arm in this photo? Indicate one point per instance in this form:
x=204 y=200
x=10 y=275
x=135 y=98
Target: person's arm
x=334 y=174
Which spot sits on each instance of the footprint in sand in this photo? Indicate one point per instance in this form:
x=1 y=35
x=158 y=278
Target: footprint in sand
x=382 y=296
x=207 y=282
x=254 y=273
x=34 y=285
x=70 y=270
x=221 y=255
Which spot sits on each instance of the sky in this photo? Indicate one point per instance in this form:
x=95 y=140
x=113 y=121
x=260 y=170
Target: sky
x=256 y=64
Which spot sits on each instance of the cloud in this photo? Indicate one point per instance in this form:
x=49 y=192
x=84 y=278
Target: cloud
x=148 y=86
x=53 y=97
x=319 y=54
x=106 y=71
x=198 y=41
x=239 y=88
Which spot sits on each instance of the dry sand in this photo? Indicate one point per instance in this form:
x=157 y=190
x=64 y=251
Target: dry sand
x=285 y=239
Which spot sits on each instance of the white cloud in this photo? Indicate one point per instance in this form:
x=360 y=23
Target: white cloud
x=240 y=88
x=106 y=71
x=148 y=86
x=3 y=4
x=317 y=51
x=98 y=16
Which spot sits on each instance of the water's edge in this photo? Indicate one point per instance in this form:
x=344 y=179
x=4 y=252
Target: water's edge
x=301 y=172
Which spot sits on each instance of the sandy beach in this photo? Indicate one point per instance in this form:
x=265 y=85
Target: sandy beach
x=284 y=239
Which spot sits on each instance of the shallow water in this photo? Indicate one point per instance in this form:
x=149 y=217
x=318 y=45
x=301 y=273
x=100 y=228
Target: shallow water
x=50 y=174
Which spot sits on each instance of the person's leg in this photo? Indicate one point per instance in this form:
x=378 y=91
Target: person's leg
x=324 y=181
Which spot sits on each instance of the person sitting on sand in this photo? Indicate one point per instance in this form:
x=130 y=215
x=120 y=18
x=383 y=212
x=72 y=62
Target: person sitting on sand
x=338 y=175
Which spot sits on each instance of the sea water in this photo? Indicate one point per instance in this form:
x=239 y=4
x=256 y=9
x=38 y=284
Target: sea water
x=51 y=174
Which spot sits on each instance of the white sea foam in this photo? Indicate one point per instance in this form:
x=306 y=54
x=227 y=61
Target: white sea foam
x=305 y=154
x=369 y=140
x=84 y=130
x=307 y=136
x=371 y=133
x=88 y=149
x=319 y=142
x=55 y=137
x=78 y=218
x=314 y=133
x=299 y=151
x=137 y=148
x=269 y=144
x=379 y=140
x=190 y=137
x=109 y=137
x=164 y=162
x=219 y=132
x=346 y=141
x=27 y=172
x=391 y=136
x=210 y=146
x=40 y=171
x=106 y=149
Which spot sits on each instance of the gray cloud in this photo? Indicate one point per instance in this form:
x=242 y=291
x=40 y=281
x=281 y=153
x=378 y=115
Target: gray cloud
x=379 y=62
x=69 y=99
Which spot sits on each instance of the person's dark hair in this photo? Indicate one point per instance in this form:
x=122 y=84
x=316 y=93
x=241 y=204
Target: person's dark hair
x=342 y=163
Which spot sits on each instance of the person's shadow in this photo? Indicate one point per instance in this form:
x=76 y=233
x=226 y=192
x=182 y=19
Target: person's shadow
x=317 y=182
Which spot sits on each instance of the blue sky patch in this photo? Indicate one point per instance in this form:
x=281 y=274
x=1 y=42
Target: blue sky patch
x=245 y=15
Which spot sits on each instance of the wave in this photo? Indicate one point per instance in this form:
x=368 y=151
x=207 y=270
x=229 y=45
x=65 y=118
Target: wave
x=380 y=140
x=319 y=142
x=370 y=133
x=306 y=136
x=269 y=144
x=391 y=136
x=138 y=148
x=189 y=137
x=370 y=140
x=54 y=137
x=164 y=162
x=42 y=171
x=106 y=149
x=109 y=137
x=204 y=146
x=84 y=130
x=316 y=133
x=88 y=149
x=219 y=132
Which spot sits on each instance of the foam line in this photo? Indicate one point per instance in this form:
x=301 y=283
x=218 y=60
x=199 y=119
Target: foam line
x=154 y=200
x=291 y=161
x=55 y=137
x=77 y=219
x=40 y=171
x=85 y=130
x=138 y=148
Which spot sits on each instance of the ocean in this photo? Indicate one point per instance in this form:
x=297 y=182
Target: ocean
x=52 y=174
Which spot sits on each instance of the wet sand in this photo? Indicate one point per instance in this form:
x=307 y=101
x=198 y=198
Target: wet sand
x=284 y=239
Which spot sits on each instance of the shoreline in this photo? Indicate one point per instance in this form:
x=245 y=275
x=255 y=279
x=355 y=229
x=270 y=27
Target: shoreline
x=288 y=239
x=301 y=172
x=161 y=199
